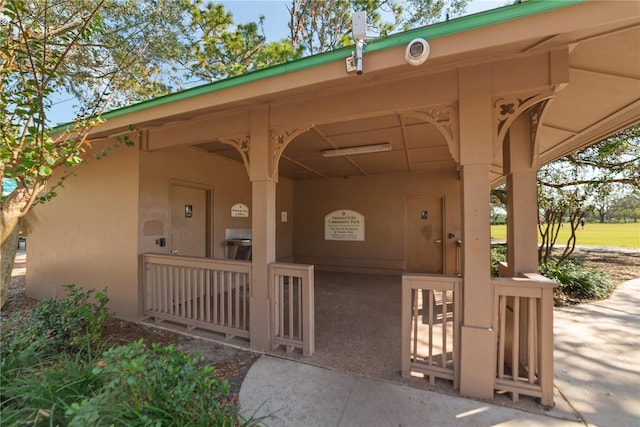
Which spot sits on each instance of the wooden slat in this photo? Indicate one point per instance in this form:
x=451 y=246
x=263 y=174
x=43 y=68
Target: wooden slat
x=197 y=292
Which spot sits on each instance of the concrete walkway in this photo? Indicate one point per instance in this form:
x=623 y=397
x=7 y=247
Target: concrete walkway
x=597 y=367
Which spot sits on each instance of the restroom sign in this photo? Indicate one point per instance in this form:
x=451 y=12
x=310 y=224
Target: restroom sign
x=344 y=224
x=240 y=210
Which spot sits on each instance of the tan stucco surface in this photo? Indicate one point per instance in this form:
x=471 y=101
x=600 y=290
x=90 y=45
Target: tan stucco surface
x=87 y=235
x=94 y=238
x=382 y=201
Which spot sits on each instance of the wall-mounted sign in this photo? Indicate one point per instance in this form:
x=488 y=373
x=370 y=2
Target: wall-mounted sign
x=344 y=224
x=240 y=210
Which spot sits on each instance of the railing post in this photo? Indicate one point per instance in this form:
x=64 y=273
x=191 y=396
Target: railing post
x=545 y=336
x=405 y=369
x=308 y=310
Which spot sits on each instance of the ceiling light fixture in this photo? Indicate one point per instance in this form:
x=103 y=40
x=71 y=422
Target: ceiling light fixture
x=362 y=149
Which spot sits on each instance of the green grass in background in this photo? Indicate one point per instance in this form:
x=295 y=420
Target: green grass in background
x=594 y=234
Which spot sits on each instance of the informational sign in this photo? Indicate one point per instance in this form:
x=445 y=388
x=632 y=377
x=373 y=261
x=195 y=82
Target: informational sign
x=240 y=210
x=344 y=224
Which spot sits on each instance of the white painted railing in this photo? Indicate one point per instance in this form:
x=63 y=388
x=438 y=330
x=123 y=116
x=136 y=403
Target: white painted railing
x=524 y=315
x=202 y=293
x=292 y=291
x=431 y=307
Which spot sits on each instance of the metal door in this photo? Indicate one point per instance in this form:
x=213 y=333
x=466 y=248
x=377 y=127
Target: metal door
x=424 y=235
x=190 y=220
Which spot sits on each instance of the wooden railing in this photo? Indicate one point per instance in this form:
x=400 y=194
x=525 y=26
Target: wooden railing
x=524 y=315
x=202 y=293
x=431 y=307
x=292 y=291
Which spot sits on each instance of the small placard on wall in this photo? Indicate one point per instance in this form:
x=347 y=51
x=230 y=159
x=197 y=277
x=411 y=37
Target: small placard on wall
x=240 y=210
x=344 y=224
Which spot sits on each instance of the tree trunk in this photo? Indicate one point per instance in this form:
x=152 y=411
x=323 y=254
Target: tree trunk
x=7 y=260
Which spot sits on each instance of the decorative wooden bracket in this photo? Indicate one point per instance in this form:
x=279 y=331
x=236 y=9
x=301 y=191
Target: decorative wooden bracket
x=507 y=108
x=241 y=143
x=279 y=139
x=445 y=118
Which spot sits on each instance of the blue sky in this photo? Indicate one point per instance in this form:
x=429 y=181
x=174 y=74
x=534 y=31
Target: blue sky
x=277 y=17
x=275 y=27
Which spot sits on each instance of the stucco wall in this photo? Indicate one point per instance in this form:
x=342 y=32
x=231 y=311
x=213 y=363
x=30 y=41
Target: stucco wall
x=382 y=201
x=230 y=185
x=93 y=233
x=87 y=234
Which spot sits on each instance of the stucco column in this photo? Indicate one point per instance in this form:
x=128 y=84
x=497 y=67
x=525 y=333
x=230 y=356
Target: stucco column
x=478 y=337
x=520 y=167
x=263 y=230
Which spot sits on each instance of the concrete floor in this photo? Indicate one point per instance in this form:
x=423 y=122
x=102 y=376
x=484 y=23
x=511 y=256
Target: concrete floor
x=357 y=319
x=358 y=331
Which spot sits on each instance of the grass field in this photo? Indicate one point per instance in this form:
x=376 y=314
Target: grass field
x=594 y=234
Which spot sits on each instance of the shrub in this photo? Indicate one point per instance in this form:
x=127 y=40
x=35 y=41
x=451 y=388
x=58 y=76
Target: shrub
x=577 y=281
x=498 y=255
x=40 y=394
x=60 y=325
x=155 y=386
x=54 y=326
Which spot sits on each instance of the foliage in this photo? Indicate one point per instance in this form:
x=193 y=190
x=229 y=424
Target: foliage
x=424 y=12
x=578 y=282
x=220 y=48
x=154 y=386
x=319 y=26
x=32 y=53
x=558 y=207
x=498 y=255
x=55 y=325
x=39 y=391
x=56 y=370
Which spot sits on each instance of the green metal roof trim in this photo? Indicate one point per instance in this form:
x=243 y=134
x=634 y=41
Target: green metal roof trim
x=458 y=25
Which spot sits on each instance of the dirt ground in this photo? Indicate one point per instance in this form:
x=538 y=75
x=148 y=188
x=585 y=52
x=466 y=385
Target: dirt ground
x=233 y=363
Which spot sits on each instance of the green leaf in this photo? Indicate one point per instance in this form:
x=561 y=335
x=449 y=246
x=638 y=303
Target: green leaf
x=45 y=170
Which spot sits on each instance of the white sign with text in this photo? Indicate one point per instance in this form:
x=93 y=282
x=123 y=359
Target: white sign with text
x=240 y=210
x=344 y=224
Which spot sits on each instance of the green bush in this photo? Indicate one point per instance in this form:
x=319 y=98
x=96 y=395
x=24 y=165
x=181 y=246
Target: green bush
x=577 y=281
x=54 y=371
x=498 y=255
x=155 y=386
x=54 y=326
x=40 y=394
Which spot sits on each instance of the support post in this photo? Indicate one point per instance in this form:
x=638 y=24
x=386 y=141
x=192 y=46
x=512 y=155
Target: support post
x=520 y=166
x=263 y=230
x=478 y=337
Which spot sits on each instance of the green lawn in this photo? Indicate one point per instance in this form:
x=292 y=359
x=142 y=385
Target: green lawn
x=594 y=234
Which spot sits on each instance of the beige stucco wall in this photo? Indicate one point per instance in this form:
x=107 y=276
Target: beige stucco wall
x=382 y=201
x=284 y=229
x=230 y=185
x=93 y=233
x=87 y=235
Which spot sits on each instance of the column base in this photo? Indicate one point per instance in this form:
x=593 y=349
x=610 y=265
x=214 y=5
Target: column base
x=477 y=362
x=260 y=335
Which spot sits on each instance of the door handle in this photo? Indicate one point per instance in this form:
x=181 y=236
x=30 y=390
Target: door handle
x=173 y=251
x=438 y=241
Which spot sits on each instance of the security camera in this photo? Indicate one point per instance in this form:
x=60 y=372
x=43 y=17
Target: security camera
x=417 y=51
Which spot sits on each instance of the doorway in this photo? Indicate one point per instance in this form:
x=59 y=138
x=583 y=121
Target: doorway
x=190 y=226
x=424 y=242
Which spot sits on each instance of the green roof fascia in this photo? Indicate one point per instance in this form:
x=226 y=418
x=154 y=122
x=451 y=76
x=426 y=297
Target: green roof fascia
x=457 y=25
